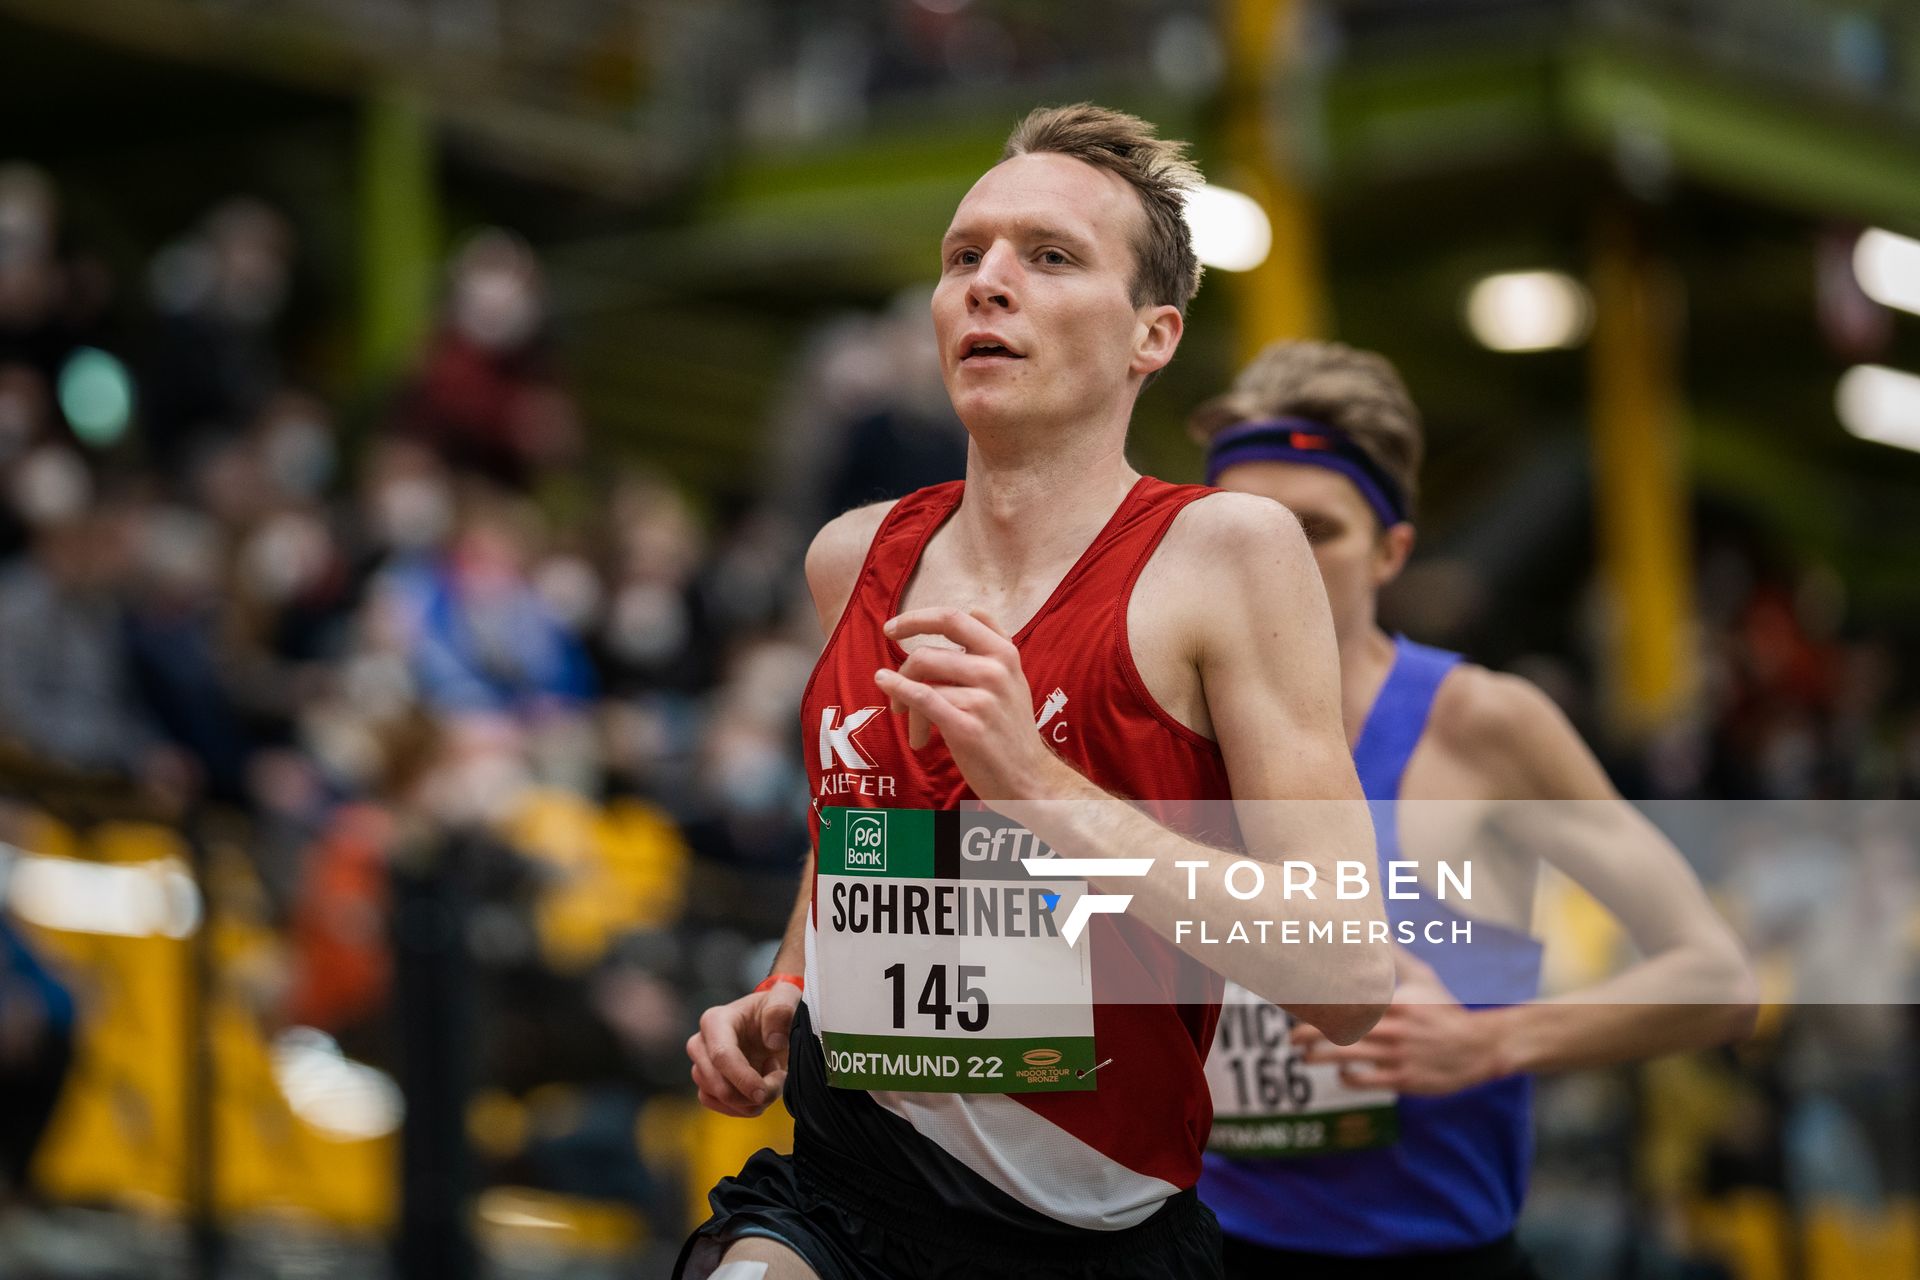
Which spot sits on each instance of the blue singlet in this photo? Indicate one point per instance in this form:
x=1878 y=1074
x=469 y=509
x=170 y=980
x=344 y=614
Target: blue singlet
x=1458 y=1173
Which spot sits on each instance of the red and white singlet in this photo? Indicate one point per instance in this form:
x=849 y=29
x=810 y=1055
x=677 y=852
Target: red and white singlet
x=1102 y=1159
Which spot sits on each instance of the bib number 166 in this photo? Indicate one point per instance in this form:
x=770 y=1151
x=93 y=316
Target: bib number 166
x=933 y=1000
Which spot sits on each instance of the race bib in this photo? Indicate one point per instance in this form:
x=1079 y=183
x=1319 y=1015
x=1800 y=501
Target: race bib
x=940 y=961
x=1268 y=1102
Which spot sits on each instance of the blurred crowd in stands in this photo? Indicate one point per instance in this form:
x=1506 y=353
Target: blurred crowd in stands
x=459 y=621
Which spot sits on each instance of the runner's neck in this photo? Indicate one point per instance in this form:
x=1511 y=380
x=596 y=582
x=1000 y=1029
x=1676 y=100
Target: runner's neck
x=1023 y=520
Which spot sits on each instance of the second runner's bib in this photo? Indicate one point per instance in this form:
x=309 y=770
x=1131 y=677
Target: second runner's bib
x=1267 y=1102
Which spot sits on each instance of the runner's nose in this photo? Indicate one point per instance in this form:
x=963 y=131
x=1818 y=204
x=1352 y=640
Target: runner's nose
x=993 y=279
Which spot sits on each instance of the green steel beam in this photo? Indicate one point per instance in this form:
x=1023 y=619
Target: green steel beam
x=1390 y=116
x=1771 y=145
x=1393 y=115
x=399 y=230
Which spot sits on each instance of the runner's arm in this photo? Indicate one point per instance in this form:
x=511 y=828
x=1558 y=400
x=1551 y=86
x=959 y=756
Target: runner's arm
x=1692 y=988
x=792 y=956
x=834 y=558
x=739 y=1053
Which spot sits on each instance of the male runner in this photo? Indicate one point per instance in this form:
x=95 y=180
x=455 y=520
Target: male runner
x=1163 y=643
x=1430 y=1184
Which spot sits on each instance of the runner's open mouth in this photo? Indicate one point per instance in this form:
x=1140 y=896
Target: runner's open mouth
x=977 y=349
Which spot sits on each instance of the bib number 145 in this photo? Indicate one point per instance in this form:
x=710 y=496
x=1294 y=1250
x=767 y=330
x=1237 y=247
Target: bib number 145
x=933 y=1001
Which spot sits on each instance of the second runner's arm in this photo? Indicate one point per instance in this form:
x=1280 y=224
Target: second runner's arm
x=1691 y=989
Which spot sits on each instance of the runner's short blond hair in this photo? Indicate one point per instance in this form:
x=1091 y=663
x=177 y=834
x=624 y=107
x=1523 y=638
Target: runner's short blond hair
x=1166 y=272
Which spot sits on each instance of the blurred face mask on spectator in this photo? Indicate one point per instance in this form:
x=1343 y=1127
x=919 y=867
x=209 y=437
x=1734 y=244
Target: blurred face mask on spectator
x=297 y=447
x=286 y=556
x=412 y=512
x=51 y=485
x=482 y=773
x=648 y=623
x=571 y=589
x=179 y=553
x=496 y=293
x=251 y=245
x=748 y=773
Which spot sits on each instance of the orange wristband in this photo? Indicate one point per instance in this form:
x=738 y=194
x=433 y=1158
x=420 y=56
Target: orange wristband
x=766 y=983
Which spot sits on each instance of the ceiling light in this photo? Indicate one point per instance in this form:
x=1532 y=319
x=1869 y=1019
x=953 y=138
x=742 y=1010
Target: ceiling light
x=1888 y=269
x=1230 y=229
x=1529 y=311
x=1881 y=405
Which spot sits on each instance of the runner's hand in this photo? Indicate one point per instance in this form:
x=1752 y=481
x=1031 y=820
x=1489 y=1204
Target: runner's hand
x=1425 y=1043
x=740 y=1051
x=977 y=696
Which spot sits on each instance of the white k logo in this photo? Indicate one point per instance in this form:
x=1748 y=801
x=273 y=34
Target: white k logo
x=838 y=741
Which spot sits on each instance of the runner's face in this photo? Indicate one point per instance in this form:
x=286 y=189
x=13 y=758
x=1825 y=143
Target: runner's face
x=1040 y=262
x=1355 y=555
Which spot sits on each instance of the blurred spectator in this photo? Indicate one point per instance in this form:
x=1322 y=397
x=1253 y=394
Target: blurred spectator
x=176 y=615
x=910 y=439
x=219 y=294
x=864 y=416
x=26 y=409
x=341 y=966
x=655 y=634
x=67 y=689
x=49 y=303
x=479 y=637
x=487 y=397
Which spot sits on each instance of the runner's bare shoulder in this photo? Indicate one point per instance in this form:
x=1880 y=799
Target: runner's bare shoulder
x=835 y=556
x=1227 y=561
x=1223 y=542
x=1508 y=727
x=1229 y=518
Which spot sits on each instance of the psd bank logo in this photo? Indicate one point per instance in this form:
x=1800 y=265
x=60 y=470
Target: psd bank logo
x=866 y=841
x=1087 y=905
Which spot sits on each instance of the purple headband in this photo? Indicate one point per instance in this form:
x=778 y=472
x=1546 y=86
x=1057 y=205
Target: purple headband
x=1317 y=445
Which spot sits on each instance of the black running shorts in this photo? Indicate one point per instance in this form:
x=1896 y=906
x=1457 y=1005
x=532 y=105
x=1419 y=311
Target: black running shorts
x=848 y=1226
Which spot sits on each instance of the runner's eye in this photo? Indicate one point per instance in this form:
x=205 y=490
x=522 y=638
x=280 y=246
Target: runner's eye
x=1054 y=258
x=1319 y=531
x=964 y=258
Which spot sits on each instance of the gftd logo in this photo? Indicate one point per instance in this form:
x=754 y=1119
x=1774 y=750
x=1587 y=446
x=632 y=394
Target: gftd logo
x=1089 y=905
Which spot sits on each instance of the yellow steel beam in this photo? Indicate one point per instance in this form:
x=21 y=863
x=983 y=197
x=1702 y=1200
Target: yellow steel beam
x=1640 y=487
x=1285 y=296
